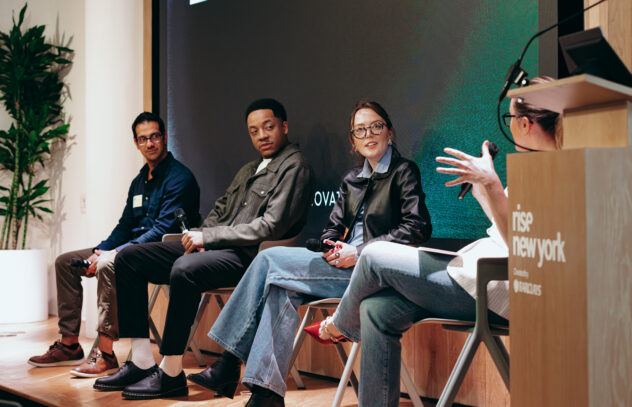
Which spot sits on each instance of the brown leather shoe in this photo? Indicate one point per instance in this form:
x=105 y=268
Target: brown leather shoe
x=58 y=355
x=98 y=364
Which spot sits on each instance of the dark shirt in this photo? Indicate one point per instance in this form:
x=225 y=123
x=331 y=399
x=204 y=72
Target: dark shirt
x=148 y=212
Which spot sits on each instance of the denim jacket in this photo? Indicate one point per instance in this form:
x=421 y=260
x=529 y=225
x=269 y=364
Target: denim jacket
x=269 y=205
x=394 y=205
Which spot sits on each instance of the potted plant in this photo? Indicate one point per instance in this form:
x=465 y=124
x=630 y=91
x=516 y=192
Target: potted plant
x=31 y=91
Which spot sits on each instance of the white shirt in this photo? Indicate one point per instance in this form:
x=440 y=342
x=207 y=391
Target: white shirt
x=463 y=269
x=264 y=163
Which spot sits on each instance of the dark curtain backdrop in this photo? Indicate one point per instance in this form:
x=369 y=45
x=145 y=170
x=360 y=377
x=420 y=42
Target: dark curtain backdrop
x=437 y=67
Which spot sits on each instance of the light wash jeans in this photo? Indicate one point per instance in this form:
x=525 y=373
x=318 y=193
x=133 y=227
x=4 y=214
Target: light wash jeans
x=392 y=287
x=259 y=320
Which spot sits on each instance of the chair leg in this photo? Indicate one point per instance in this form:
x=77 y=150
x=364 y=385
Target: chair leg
x=154 y=332
x=298 y=342
x=196 y=322
x=346 y=374
x=94 y=345
x=296 y=376
x=343 y=357
x=153 y=298
x=500 y=356
x=152 y=326
x=460 y=369
x=410 y=386
x=197 y=353
x=220 y=301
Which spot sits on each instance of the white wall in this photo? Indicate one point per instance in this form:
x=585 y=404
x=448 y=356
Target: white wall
x=91 y=173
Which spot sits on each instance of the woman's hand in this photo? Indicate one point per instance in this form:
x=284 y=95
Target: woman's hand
x=486 y=186
x=475 y=170
x=343 y=255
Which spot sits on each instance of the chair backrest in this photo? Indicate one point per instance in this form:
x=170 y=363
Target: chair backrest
x=266 y=244
x=488 y=269
x=172 y=237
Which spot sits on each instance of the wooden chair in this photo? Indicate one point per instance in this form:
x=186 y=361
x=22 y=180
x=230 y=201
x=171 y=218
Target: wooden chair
x=488 y=269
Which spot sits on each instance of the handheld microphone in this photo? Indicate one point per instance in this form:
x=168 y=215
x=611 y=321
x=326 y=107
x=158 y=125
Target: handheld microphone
x=74 y=262
x=316 y=245
x=466 y=187
x=181 y=218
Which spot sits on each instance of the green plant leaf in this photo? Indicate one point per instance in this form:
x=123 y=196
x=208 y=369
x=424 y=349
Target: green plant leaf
x=22 y=15
x=32 y=93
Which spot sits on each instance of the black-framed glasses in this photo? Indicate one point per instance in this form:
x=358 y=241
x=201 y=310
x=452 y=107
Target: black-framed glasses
x=154 y=137
x=507 y=118
x=375 y=128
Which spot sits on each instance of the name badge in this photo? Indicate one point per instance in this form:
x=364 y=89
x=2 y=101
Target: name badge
x=137 y=201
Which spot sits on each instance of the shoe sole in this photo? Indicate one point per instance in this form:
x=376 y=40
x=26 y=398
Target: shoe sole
x=54 y=364
x=225 y=390
x=182 y=391
x=82 y=374
x=105 y=387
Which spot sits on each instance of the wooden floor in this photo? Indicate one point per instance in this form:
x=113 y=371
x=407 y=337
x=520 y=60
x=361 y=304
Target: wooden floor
x=54 y=386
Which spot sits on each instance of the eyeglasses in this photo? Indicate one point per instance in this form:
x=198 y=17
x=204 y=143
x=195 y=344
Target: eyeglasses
x=507 y=118
x=142 y=140
x=375 y=129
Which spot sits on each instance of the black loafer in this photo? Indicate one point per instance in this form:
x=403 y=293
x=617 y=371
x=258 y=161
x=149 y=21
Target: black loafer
x=264 y=398
x=222 y=377
x=157 y=385
x=128 y=374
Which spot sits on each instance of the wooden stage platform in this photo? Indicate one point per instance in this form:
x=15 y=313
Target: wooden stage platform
x=54 y=386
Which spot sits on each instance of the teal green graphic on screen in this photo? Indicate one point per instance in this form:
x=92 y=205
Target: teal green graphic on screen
x=436 y=66
x=464 y=114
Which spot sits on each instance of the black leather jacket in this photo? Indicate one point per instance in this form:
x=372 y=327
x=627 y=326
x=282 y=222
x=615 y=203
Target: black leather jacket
x=394 y=210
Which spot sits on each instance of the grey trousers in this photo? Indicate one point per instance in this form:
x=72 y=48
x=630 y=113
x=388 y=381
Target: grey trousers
x=70 y=293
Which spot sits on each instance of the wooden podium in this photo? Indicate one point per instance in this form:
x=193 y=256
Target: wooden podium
x=570 y=251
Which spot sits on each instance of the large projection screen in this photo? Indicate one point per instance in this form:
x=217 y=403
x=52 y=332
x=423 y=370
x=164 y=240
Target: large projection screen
x=437 y=67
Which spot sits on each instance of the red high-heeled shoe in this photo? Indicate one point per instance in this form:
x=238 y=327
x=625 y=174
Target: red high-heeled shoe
x=314 y=329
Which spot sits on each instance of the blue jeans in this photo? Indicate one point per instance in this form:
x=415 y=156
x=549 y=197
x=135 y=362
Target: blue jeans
x=259 y=320
x=392 y=287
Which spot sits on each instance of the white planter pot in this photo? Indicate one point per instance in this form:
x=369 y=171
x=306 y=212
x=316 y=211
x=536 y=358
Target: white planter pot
x=23 y=286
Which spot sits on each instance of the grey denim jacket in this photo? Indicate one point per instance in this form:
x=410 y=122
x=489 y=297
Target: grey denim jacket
x=270 y=205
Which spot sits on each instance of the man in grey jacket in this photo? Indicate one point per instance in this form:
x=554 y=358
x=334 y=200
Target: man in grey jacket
x=267 y=200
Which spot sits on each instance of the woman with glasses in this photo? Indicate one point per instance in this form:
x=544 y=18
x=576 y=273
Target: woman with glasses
x=394 y=285
x=381 y=200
